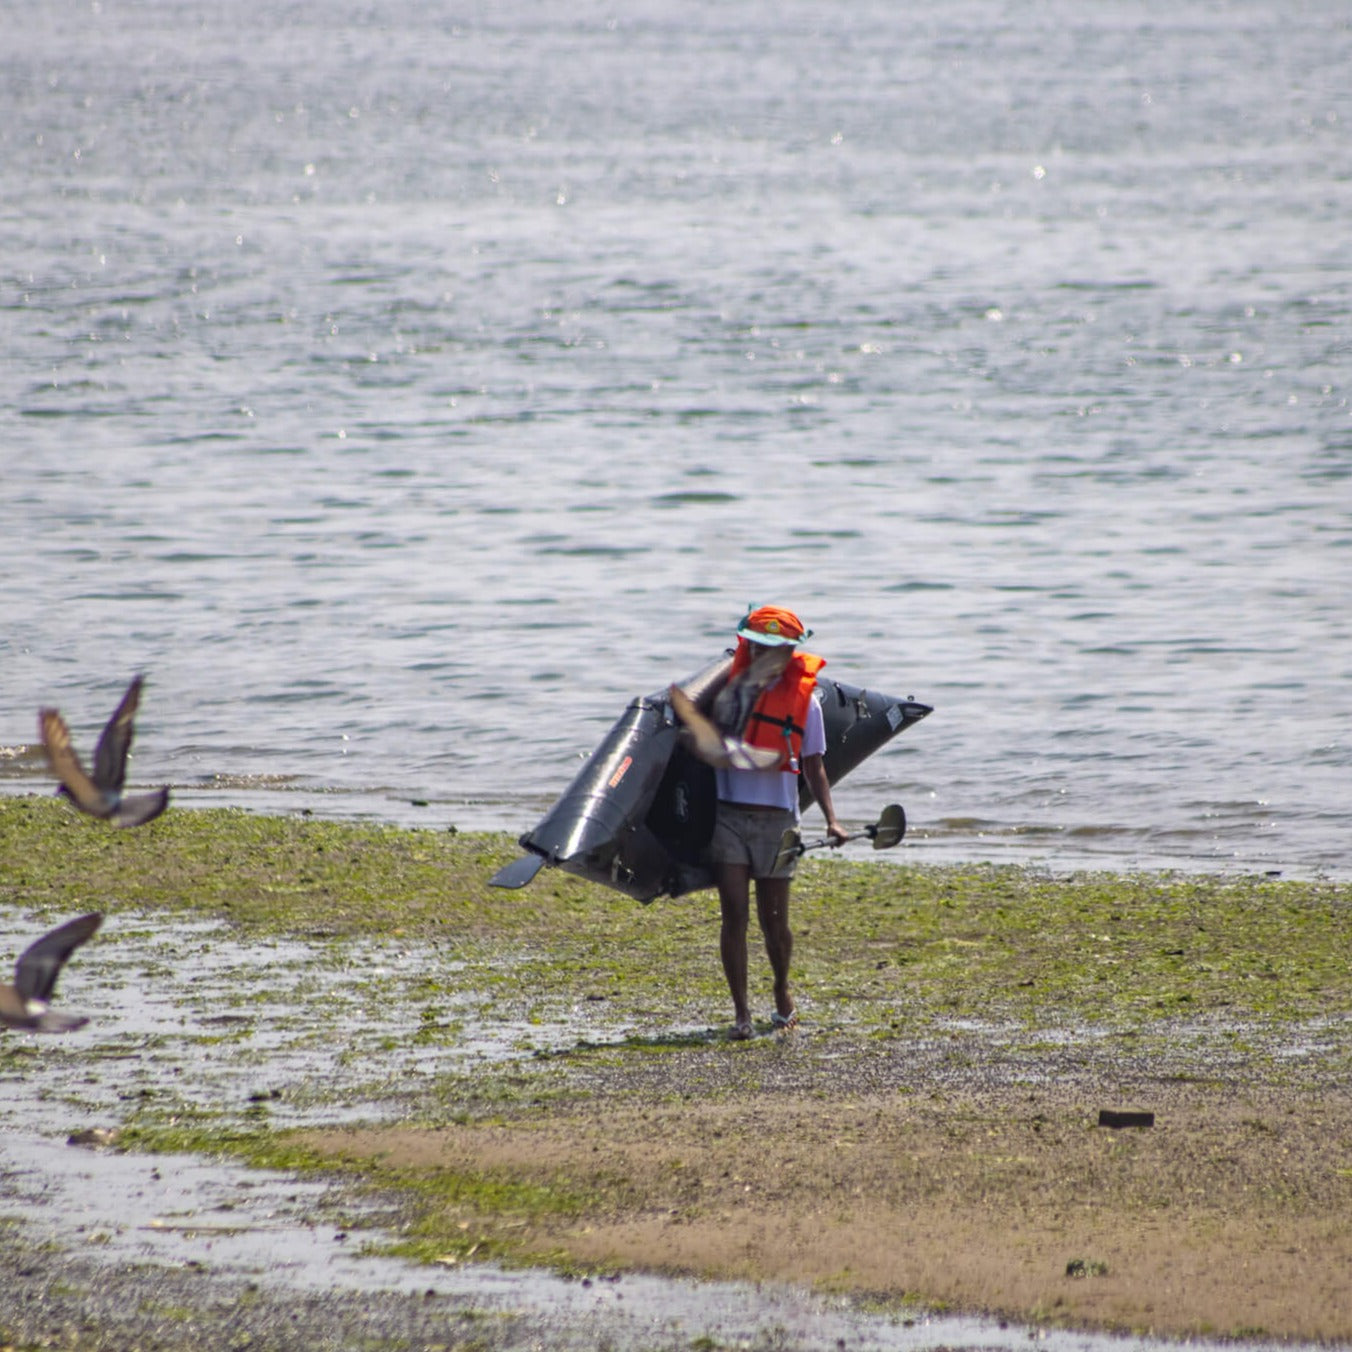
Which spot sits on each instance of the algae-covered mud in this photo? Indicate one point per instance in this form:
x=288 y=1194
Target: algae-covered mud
x=330 y=1056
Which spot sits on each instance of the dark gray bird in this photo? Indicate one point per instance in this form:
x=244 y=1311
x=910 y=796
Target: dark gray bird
x=100 y=795
x=713 y=746
x=26 y=1004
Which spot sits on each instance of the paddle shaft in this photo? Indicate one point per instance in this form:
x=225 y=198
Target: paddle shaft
x=887 y=831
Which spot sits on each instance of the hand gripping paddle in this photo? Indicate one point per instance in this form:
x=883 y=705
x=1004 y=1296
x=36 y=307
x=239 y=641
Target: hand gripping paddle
x=887 y=831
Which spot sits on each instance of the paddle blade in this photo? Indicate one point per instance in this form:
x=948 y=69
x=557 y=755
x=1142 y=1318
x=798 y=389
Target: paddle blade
x=790 y=847
x=889 y=828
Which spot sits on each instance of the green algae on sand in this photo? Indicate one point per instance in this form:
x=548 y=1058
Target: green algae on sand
x=893 y=941
x=964 y=1027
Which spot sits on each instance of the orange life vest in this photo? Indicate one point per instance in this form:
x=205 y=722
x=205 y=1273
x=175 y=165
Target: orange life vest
x=779 y=717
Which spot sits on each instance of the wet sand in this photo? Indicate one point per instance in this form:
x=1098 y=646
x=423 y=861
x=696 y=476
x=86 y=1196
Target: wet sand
x=787 y=1165
x=915 y=1146
x=1227 y=1217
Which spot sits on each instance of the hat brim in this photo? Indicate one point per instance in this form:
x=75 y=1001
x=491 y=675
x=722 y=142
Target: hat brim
x=770 y=640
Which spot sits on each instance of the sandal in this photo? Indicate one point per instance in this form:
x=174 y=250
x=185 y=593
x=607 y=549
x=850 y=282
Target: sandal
x=742 y=1030
x=784 y=1022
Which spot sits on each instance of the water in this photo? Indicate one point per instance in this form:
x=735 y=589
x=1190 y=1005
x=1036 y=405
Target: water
x=179 y=1212
x=403 y=390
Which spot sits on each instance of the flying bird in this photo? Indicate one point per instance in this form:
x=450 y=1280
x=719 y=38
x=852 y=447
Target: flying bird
x=101 y=794
x=713 y=746
x=26 y=1004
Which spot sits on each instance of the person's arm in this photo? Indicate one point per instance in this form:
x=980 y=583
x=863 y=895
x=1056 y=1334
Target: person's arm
x=814 y=771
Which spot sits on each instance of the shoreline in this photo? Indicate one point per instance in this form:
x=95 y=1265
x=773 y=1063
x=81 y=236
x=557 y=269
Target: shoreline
x=938 y=844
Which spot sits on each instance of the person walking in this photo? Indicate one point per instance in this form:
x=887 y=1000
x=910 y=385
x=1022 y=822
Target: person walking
x=768 y=702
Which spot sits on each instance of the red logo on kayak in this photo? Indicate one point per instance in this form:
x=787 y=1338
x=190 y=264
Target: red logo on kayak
x=614 y=780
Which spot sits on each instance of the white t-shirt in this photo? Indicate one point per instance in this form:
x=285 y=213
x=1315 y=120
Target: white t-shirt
x=775 y=788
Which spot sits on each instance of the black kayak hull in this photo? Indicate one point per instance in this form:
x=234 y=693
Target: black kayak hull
x=640 y=813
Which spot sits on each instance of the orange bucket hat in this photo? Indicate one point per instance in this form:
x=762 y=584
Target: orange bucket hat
x=772 y=626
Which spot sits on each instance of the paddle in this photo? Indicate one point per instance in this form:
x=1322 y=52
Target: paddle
x=885 y=832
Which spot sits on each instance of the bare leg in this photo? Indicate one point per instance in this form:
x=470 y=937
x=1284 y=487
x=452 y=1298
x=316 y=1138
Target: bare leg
x=734 y=898
x=772 y=910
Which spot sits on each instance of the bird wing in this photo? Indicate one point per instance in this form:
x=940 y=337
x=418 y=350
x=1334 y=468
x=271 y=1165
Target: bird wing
x=40 y=963
x=140 y=808
x=110 y=756
x=56 y=1021
x=705 y=739
x=712 y=746
x=13 y=1010
x=742 y=756
x=66 y=764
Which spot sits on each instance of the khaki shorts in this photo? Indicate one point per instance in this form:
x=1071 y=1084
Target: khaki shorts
x=752 y=836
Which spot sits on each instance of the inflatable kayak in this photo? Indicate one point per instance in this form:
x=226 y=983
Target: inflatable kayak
x=640 y=813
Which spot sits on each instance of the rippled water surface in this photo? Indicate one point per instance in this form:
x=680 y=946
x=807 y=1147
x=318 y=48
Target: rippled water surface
x=403 y=389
